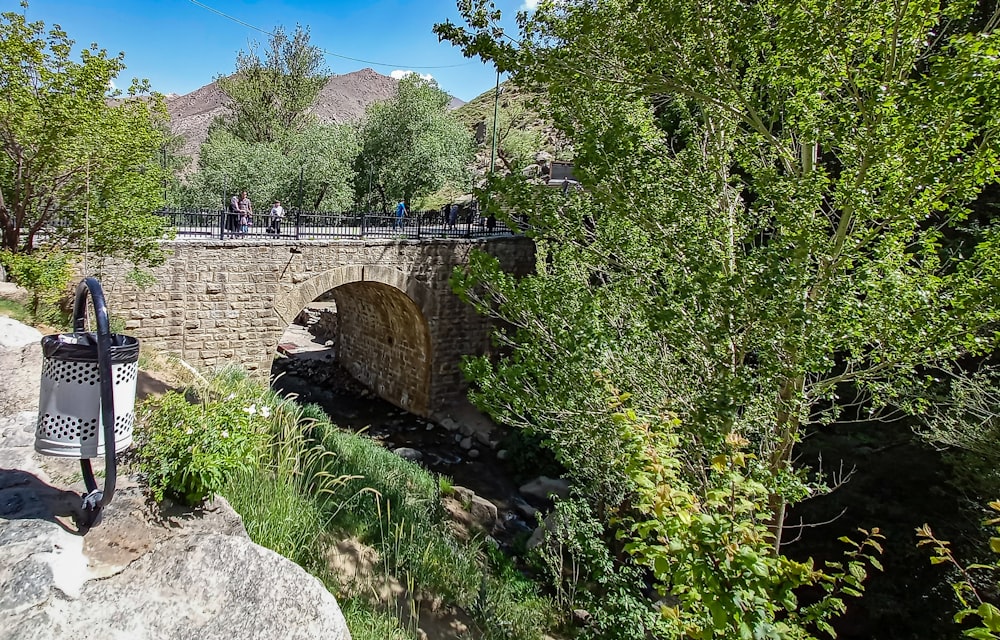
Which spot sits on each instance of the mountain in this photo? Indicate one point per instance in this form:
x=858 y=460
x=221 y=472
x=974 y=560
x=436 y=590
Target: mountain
x=342 y=99
x=191 y=113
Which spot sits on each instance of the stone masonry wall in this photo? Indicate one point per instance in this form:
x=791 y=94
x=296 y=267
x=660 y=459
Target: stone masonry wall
x=218 y=302
x=384 y=342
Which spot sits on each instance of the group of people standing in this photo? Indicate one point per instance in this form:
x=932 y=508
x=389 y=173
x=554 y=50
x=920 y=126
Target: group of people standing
x=240 y=216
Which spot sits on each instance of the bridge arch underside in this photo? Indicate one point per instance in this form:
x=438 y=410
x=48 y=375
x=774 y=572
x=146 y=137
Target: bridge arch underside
x=384 y=341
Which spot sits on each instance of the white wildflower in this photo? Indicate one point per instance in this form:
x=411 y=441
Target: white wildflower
x=265 y=411
x=252 y=409
x=225 y=434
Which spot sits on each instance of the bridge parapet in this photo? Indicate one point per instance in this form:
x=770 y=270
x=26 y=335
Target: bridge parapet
x=403 y=330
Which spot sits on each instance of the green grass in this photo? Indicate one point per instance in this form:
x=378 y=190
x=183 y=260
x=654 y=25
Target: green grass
x=366 y=623
x=313 y=484
x=278 y=517
x=51 y=318
x=14 y=310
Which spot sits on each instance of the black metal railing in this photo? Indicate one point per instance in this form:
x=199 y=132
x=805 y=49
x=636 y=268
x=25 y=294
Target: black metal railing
x=317 y=225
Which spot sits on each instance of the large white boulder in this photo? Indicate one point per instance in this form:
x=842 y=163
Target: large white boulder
x=21 y=366
x=145 y=572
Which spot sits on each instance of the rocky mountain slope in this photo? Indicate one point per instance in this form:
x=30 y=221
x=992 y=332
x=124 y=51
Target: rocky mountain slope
x=343 y=98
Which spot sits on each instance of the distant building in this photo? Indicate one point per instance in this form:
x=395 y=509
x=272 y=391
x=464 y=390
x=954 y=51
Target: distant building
x=561 y=171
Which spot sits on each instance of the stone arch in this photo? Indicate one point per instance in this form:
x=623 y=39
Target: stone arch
x=386 y=338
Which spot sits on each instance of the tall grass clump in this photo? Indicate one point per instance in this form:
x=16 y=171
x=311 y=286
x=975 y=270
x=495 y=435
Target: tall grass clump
x=300 y=484
x=405 y=521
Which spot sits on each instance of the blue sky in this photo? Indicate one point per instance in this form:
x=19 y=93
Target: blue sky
x=181 y=45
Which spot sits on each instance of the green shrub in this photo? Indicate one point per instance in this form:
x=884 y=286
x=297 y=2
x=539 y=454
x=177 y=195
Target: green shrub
x=188 y=450
x=973 y=601
x=46 y=274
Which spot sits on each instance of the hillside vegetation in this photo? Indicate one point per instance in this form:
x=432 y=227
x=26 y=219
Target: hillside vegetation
x=523 y=128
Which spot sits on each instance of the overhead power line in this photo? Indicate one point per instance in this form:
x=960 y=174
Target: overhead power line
x=329 y=53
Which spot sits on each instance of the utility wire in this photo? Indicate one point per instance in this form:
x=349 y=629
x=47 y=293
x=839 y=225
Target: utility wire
x=329 y=53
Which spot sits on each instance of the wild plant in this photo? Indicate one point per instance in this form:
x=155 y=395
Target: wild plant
x=973 y=604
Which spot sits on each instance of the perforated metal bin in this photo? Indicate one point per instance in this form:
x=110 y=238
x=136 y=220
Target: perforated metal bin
x=69 y=404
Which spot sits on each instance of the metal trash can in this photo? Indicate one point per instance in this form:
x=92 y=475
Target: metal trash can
x=86 y=404
x=69 y=401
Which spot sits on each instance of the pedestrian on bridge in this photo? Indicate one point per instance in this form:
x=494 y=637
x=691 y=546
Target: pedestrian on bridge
x=246 y=213
x=400 y=216
x=277 y=215
x=233 y=217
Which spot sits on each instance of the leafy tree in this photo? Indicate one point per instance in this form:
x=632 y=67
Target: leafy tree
x=316 y=163
x=78 y=165
x=269 y=97
x=46 y=275
x=758 y=247
x=410 y=145
x=324 y=156
x=268 y=144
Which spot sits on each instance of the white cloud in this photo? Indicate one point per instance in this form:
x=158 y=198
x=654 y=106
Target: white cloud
x=399 y=73
x=529 y=5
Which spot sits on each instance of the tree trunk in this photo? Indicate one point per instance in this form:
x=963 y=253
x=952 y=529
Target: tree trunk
x=787 y=429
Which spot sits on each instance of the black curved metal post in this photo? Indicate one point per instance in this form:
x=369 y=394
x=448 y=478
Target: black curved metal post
x=95 y=499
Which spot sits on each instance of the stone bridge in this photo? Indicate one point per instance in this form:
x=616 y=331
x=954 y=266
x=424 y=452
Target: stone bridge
x=402 y=331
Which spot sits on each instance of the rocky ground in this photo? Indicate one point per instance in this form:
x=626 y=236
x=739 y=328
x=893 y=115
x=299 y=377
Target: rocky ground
x=146 y=570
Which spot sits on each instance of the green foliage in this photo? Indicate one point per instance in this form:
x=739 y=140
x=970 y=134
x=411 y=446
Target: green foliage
x=985 y=614
x=410 y=145
x=316 y=162
x=78 y=166
x=299 y=483
x=584 y=574
x=507 y=604
x=268 y=98
x=189 y=450
x=46 y=275
x=701 y=539
x=767 y=190
x=268 y=145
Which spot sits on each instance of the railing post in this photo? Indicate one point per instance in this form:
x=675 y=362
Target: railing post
x=222 y=225
x=362 y=228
